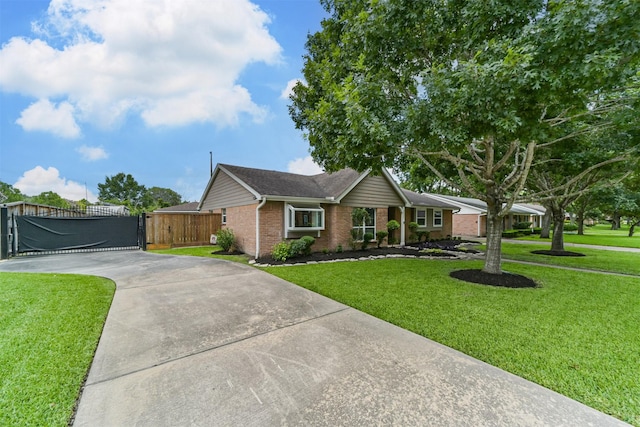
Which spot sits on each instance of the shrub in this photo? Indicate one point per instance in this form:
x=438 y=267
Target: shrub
x=571 y=227
x=297 y=248
x=226 y=239
x=422 y=234
x=380 y=235
x=339 y=249
x=308 y=242
x=537 y=230
x=366 y=239
x=281 y=251
x=391 y=227
x=510 y=234
x=522 y=225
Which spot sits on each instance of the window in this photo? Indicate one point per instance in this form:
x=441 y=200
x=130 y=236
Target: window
x=223 y=211
x=437 y=217
x=304 y=218
x=367 y=226
x=421 y=217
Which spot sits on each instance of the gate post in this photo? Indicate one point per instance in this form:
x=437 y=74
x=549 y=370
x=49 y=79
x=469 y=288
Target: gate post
x=142 y=221
x=4 y=233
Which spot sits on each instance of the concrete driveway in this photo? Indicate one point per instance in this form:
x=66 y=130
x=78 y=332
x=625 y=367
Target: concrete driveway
x=204 y=342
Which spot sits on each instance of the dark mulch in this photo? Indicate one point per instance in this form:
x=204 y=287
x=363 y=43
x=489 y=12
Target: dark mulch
x=557 y=253
x=227 y=253
x=319 y=256
x=412 y=249
x=507 y=280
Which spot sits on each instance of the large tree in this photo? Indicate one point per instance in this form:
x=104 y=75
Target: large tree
x=123 y=189
x=163 y=197
x=8 y=193
x=479 y=85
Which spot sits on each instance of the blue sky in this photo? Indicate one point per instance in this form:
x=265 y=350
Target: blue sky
x=89 y=89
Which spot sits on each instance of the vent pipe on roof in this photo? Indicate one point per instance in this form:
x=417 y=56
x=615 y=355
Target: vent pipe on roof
x=210 y=163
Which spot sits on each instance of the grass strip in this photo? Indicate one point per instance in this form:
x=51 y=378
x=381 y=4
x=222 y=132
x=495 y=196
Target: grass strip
x=50 y=325
x=594 y=259
x=203 y=251
x=577 y=333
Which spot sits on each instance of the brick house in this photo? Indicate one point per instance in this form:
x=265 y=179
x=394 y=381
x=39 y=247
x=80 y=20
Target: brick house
x=470 y=219
x=265 y=207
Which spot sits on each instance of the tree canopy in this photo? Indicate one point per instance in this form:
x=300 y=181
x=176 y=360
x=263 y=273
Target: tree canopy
x=481 y=86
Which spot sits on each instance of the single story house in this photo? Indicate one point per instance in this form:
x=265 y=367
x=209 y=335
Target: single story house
x=265 y=207
x=471 y=216
x=190 y=207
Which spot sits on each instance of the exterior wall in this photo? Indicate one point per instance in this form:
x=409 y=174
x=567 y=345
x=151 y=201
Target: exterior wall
x=271 y=227
x=372 y=191
x=225 y=192
x=467 y=225
x=242 y=220
x=434 y=232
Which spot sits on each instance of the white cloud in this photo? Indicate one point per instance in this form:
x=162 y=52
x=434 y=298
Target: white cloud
x=45 y=116
x=39 y=180
x=287 y=91
x=304 y=166
x=91 y=154
x=172 y=62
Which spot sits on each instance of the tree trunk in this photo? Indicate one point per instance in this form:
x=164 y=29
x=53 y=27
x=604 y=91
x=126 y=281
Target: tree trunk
x=615 y=221
x=580 y=221
x=557 y=242
x=632 y=227
x=493 y=257
x=545 y=233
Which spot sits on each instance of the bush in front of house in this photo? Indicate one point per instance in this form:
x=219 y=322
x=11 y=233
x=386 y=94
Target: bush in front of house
x=284 y=250
x=280 y=251
x=366 y=239
x=510 y=234
x=522 y=225
x=537 y=230
x=380 y=235
x=391 y=227
x=226 y=239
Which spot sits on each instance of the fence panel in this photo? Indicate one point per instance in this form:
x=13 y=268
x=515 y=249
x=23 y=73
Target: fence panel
x=170 y=230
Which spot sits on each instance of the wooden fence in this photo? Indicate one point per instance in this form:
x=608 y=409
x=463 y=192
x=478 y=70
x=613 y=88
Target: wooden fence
x=170 y=230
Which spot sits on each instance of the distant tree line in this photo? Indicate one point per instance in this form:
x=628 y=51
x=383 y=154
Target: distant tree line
x=119 y=189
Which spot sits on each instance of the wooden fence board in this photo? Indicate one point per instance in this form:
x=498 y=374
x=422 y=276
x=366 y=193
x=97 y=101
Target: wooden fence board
x=170 y=230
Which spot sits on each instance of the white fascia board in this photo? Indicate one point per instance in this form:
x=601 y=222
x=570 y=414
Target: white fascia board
x=459 y=204
x=303 y=200
x=396 y=187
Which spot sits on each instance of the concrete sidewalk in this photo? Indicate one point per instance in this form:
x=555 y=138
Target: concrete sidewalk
x=204 y=342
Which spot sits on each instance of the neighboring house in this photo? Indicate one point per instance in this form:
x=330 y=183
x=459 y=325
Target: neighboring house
x=191 y=207
x=471 y=218
x=265 y=207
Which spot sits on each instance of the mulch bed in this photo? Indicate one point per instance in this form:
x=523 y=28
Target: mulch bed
x=507 y=280
x=557 y=253
x=319 y=256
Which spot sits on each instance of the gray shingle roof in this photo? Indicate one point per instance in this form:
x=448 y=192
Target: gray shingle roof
x=185 y=207
x=274 y=183
x=425 y=200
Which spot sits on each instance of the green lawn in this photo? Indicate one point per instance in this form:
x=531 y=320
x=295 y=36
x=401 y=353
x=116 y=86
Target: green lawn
x=577 y=334
x=50 y=325
x=203 y=251
x=600 y=234
x=594 y=259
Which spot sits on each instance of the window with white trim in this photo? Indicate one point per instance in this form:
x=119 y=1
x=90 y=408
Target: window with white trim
x=304 y=218
x=367 y=226
x=223 y=213
x=421 y=217
x=437 y=217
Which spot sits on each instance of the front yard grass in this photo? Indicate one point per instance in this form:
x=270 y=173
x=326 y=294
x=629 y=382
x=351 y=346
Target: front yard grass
x=600 y=234
x=577 y=334
x=50 y=325
x=594 y=259
x=203 y=251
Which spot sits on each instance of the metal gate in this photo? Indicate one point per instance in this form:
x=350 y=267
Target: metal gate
x=34 y=234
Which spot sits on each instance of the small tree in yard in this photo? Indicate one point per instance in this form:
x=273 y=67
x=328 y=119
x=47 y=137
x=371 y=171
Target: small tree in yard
x=226 y=239
x=470 y=90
